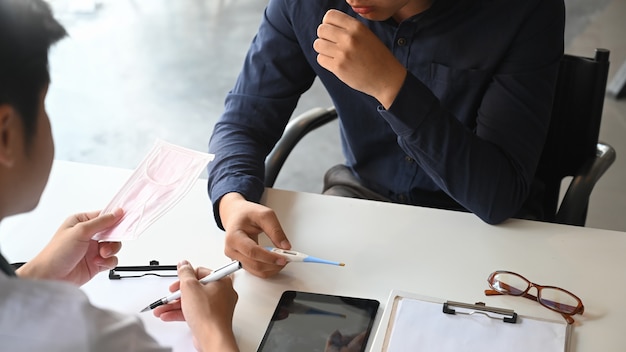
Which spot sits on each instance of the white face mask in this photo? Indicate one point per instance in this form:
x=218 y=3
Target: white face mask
x=160 y=181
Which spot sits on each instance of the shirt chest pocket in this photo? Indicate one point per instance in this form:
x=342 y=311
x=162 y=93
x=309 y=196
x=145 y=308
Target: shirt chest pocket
x=458 y=90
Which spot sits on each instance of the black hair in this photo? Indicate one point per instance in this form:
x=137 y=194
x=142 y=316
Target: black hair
x=27 y=30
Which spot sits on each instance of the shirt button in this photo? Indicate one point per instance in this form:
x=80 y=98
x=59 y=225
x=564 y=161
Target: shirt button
x=401 y=42
x=408 y=159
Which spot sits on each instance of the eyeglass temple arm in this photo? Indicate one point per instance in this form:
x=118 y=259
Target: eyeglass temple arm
x=567 y=317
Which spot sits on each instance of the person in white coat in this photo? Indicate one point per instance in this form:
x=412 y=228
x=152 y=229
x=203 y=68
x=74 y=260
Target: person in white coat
x=41 y=305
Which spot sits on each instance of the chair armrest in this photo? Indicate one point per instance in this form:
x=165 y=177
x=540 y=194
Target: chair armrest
x=296 y=129
x=573 y=209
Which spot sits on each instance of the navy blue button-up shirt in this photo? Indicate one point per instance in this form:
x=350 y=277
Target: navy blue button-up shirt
x=470 y=119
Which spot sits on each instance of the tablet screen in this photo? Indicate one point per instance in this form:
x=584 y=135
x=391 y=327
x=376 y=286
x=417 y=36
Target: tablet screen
x=305 y=321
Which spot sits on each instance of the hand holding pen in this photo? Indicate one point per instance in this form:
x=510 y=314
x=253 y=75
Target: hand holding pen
x=207 y=309
x=217 y=274
x=213 y=276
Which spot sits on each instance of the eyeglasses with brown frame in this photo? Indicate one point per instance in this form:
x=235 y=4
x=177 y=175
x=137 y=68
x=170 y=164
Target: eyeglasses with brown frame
x=554 y=298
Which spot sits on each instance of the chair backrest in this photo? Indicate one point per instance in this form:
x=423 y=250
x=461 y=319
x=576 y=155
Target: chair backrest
x=575 y=124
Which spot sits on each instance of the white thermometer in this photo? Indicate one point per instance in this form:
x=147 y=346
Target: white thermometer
x=293 y=256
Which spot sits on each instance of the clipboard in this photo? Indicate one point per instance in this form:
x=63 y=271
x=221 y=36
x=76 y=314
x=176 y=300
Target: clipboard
x=412 y=322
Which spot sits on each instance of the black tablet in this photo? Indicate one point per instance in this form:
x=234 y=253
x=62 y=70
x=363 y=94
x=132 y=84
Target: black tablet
x=304 y=321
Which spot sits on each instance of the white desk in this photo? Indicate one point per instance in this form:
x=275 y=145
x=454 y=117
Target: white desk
x=385 y=246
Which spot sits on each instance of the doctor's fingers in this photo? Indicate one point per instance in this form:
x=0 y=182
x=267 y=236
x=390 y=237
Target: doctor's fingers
x=109 y=249
x=80 y=217
x=169 y=312
x=86 y=225
x=106 y=263
x=200 y=273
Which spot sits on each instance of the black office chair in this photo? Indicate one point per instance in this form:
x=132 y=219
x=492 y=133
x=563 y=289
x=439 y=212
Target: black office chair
x=572 y=147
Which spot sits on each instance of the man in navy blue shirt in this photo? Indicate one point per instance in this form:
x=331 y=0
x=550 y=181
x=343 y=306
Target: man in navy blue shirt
x=441 y=103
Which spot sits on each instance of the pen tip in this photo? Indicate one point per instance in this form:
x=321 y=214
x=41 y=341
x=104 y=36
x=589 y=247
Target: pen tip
x=145 y=309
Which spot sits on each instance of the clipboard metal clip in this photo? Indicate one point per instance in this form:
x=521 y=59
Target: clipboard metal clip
x=507 y=315
x=139 y=271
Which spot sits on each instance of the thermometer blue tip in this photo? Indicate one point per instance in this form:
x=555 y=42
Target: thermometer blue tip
x=322 y=261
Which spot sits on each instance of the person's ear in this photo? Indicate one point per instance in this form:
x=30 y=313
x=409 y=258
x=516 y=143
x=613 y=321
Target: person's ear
x=8 y=120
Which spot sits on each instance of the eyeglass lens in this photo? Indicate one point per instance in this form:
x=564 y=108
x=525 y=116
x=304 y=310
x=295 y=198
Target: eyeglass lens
x=551 y=297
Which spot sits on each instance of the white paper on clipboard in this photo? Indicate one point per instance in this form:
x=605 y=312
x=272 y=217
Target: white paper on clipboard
x=416 y=323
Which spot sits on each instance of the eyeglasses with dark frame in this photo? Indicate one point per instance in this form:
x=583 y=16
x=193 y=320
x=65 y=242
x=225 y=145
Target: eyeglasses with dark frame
x=554 y=298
